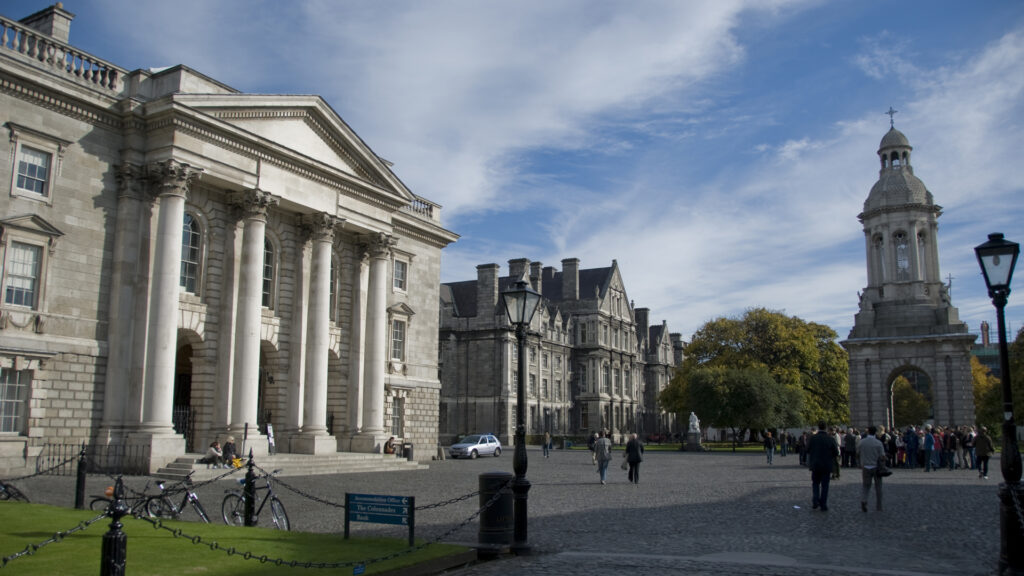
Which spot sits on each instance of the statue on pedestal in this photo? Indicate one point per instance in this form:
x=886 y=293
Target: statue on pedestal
x=694 y=423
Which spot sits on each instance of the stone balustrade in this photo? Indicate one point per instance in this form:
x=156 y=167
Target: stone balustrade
x=424 y=208
x=60 y=58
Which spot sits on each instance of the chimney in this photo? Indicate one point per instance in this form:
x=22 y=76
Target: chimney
x=54 y=21
x=517 y=268
x=984 y=334
x=677 y=347
x=486 y=290
x=642 y=316
x=535 y=276
x=571 y=279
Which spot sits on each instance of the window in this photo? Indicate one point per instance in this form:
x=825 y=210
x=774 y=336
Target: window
x=902 y=258
x=14 y=387
x=190 y=254
x=544 y=392
x=544 y=360
x=268 y=273
x=558 y=389
x=333 y=306
x=583 y=333
x=21 y=281
x=533 y=384
x=33 y=171
x=398 y=340
x=583 y=378
x=401 y=271
x=533 y=355
x=397 y=416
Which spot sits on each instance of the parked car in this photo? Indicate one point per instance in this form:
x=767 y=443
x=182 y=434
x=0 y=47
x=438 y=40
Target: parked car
x=475 y=445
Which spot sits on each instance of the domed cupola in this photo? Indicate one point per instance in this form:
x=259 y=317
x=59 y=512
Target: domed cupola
x=896 y=186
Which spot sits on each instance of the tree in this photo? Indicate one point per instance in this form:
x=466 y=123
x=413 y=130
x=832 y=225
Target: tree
x=909 y=406
x=801 y=356
x=988 y=397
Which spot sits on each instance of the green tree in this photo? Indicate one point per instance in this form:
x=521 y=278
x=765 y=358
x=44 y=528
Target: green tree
x=801 y=356
x=909 y=406
x=988 y=397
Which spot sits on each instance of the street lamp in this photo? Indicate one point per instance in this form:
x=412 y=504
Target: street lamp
x=520 y=304
x=997 y=258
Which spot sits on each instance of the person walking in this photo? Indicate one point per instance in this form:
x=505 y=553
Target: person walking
x=769 y=446
x=783 y=443
x=983 y=448
x=602 y=455
x=547 y=443
x=634 y=456
x=871 y=455
x=590 y=444
x=822 y=452
x=929 y=448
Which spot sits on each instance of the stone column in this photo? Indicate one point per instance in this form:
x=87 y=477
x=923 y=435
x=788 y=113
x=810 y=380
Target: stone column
x=372 y=435
x=357 y=349
x=254 y=205
x=314 y=438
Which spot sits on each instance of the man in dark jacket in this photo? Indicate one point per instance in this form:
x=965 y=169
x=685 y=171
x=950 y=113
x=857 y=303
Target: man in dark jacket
x=822 y=451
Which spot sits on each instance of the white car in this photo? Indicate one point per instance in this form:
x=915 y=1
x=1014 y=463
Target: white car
x=475 y=445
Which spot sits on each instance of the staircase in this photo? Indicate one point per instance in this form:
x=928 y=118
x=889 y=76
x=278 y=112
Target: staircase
x=293 y=465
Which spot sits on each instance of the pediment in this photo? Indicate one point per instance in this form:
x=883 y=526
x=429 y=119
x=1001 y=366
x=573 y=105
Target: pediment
x=305 y=125
x=401 y=309
x=31 y=223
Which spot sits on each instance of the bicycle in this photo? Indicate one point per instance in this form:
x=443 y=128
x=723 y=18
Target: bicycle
x=161 y=506
x=9 y=492
x=136 y=503
x=233 y=507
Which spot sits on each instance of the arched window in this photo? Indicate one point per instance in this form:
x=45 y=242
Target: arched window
x=268 y=273
x=895 y=160
x=190 y=254
x=902 y=256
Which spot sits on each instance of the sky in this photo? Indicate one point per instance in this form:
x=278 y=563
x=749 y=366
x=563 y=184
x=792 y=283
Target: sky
x=718 y=151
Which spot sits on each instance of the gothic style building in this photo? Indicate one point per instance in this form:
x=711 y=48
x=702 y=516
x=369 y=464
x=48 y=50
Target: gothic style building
x=594 y=362
x=906 y=321
x=182 y=261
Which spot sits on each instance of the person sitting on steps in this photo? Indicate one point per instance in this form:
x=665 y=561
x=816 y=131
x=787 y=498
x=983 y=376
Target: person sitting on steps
x=213 y=455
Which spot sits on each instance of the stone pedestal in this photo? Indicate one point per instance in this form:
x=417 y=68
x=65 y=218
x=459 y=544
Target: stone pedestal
x=314 y=444
x=693 y=442
x=368 y=443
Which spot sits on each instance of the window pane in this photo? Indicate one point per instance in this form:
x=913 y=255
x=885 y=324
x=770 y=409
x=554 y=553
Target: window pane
x=13 y=399
x=23 y=275
x=190 y=254
x=268 y=272
x=401 y=270
x=33 y=169
x=398 y=340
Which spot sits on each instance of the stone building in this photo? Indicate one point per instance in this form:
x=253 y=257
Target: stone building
x=906 y=321
x=593 y=361
x=182 y=261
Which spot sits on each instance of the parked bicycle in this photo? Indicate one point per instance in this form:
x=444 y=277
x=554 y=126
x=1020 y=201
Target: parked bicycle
x=163 y=507
x=233 y=507
x=9 y=492
x=136 y=502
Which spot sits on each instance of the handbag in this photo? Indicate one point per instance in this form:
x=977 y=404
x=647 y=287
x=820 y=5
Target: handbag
x=625 y=464
x=881 y=470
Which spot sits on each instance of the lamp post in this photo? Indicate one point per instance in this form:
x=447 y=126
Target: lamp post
x=997 y=258
x=520 y=304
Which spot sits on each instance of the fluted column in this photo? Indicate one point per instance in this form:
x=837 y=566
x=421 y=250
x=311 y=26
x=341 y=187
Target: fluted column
x=314 y=438
x=173 y=179
x=254 y=205
x=376 y=345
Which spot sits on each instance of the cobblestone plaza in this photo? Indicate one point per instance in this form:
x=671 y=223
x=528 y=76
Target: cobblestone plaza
x=693 y=513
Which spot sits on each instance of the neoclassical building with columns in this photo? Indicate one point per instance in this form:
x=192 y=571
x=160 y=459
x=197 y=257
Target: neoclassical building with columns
x=183 y=262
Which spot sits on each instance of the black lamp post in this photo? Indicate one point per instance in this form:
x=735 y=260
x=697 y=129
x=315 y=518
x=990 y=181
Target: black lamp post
x=520 y=304
x=997 y=258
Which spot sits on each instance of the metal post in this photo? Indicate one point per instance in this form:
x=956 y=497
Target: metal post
x=1011 y=533
x=115 y=542
x=250 y=492
x=520 y=486
x=80 y=481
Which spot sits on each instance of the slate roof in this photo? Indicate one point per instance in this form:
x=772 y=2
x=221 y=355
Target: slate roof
x=463 y=294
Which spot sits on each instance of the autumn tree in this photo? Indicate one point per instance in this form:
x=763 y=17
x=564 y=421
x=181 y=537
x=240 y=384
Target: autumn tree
x=802 y=357
x=909 y=407
x=988 y=397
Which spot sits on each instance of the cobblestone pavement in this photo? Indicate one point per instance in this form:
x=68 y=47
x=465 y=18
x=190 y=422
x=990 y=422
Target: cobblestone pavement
x=710 y=513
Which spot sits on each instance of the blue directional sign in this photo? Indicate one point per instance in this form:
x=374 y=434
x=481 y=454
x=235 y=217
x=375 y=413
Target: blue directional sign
x=381 y=509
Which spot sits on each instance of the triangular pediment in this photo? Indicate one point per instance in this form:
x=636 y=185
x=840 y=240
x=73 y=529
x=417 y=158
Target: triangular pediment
x=32 y=223
x=304 y=124
x=401 y=309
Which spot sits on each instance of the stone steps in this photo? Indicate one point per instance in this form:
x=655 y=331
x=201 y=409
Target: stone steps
x=294 y=465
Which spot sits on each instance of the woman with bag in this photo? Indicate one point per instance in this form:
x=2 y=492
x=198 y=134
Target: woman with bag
x=634 y=456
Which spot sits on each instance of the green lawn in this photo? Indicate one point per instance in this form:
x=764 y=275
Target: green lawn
x=157 y=552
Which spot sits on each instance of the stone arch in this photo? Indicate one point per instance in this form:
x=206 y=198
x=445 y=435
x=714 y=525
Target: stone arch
x=271 y=393
x=188 y=398
x=890 y=381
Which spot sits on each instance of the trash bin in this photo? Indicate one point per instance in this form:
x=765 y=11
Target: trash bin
x=496 y=521
x=407 y=451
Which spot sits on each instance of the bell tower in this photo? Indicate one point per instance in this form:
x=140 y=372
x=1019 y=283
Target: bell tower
x=906 y=321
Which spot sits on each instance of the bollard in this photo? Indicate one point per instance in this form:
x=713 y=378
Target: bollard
x=407 y=451
x=80 y=481
x=495 y=521
x=250 y=493
x=115 y=542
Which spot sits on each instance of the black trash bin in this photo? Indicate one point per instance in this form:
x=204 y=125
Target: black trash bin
x=496 y=521
x=407 y=451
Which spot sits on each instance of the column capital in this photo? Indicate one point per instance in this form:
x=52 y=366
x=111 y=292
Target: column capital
x=319 y=226
x=380 y=244
x=253 y=203
x=173 y=177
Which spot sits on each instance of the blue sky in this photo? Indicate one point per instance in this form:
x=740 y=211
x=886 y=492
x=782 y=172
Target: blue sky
x=719 y=151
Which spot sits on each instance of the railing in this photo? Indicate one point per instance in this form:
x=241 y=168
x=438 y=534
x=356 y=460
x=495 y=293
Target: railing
x=60 y=58
x=423 y=208
x=59 y=459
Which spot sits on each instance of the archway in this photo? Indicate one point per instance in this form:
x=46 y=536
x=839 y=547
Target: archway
x=183 y=417
x=911 y=398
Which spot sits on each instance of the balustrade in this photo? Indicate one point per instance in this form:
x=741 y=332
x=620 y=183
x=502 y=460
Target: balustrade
x=58 y=57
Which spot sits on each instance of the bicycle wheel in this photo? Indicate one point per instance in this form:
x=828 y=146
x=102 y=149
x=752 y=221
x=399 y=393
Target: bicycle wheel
x=233 y=510
x=200 y=510
x=279 y=515
x=99 y=504
x=161 y=507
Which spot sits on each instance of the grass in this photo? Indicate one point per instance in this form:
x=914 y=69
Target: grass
x=157 y=552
